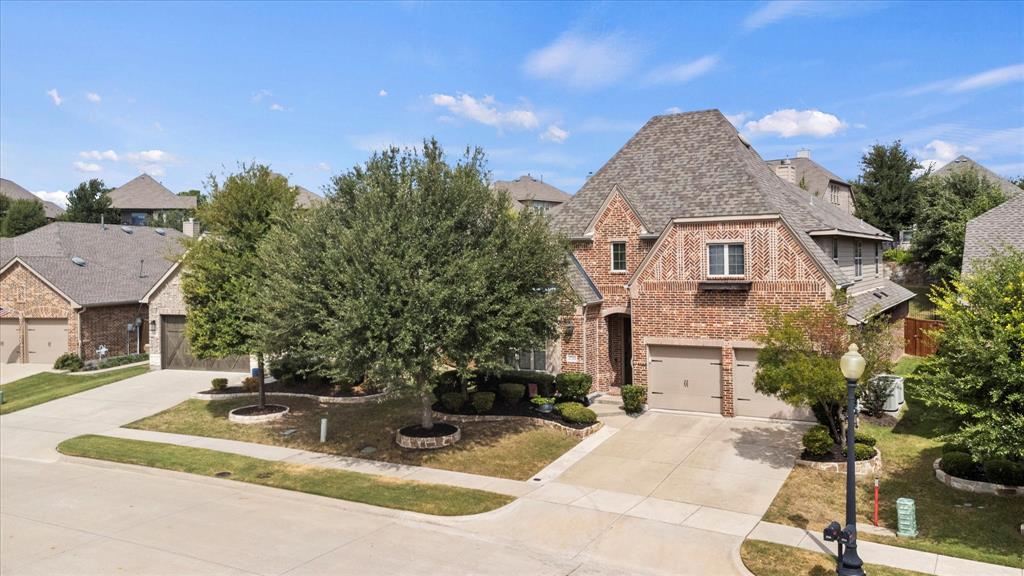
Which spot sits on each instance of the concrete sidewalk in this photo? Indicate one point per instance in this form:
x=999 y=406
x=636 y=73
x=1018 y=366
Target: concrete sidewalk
x=885 y=555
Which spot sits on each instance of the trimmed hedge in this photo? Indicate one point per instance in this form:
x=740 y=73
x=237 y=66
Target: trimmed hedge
x=862 y=451
x=1003 y=471
x=817 y=442
x=576 y=413
x=448 y=381
x=251 y=384
x=121 y=360
x=573 y=385
x=512 y=393
x=452 y=401
x=482 y=401
x=959 y=464
x=955 y=447
x=69 y=361
x=219 y=383
x=634 y=398
x=865 y=438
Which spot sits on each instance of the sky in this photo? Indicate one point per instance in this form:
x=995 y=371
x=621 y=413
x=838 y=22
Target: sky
x=185 y=90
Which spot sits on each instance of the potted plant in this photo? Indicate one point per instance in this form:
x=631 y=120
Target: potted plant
x=544 y=404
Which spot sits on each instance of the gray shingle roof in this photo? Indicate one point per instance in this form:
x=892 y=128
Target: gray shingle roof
x=963 y=163
x=112 y=273
x=581 y=283
x=307 y=199
x=814 y=175
x=145 y=193
x=15 y=192
x=696 y=165
x=528 y=188
x=999 y=227
x=869 y=297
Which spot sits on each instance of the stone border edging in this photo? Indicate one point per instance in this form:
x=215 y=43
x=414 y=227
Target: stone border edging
x=321 y=399
x=863 y=468
x=975 y=486
x=243 y=419
x=430 y=443
x=102 y=370
x=579 y=433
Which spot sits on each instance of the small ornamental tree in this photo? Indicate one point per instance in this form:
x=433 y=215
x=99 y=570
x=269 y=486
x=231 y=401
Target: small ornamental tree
x=89 y=202
x=221 y=277
x=22 y=216
x=413 y=262
x=978 y=371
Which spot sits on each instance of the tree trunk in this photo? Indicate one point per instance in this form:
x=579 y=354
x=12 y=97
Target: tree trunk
x=263 y=380
x=427 y=417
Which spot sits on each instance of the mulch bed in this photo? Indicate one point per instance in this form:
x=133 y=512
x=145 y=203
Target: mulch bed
x=257 y=411
x=296 y=388
x=500 y=408
x=439 y=429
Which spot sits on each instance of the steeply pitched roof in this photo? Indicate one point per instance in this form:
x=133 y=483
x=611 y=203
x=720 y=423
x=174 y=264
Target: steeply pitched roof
x=307 y=199
x=581 y=283
x=145 y=193
x=872 y=296
x=695 y=164
x=15 y=192
x=964 y=163
x=526 y=187
x=999 y=227
x=813 y=174
x=119 y=267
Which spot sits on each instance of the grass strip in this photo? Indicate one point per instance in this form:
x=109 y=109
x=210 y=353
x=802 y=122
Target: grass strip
x=769 y=559
x=433 y=499
x=47 y=386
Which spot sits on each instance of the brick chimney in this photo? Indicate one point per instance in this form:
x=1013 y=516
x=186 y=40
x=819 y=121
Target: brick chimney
x=190 y=228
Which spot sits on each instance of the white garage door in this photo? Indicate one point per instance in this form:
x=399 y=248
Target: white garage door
x=47 y=339
x=685 y=378
x=10 y=341
x=750 y=402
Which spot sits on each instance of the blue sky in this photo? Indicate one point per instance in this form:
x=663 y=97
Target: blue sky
x=183 y=90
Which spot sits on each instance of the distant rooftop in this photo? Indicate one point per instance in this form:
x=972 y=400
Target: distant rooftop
x=15 y=192
x=527 y=188
x=145 y=193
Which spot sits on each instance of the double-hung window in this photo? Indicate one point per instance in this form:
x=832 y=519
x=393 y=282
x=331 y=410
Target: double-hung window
x=858 y=260
x=726 y=260
x=618 y=256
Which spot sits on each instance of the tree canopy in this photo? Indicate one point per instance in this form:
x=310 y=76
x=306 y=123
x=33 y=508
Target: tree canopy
x=21 y=216
x=946 y=204
x=412 y=263
x=885 y=193
x=89 y=202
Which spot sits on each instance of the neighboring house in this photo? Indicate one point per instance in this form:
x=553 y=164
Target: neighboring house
x=307 y=199
x=143 y=197
x=75 y=287
x=679 y=242
x=15 y=192
x=994 y=231
x=963 y=163
x=532 y=193
x=816 y=179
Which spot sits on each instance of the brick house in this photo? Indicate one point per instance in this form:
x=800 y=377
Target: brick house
x=679 y=241
x=75 y=287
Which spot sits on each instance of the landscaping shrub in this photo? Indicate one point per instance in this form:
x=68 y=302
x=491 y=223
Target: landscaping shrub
x=482 y=401
x=512 y=393
x=525 y=377
x=817 y=442
x=315 y=380
x=69 y=361
x=955 y=447
x=1003 y=471
x=251 y=384
x=542 y=400
x=865 y=438
x=874 y=393
x=287 y=380
x=121 y=360
x=446 y=382
x=453 y=401
x=898 y=256
x=862 y=451
x=219 y=383
x=576 y=413
x=573 y=385
x=634 y=398
x=959 y=464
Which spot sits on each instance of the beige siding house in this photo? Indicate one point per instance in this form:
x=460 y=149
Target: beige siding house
x=816 y=179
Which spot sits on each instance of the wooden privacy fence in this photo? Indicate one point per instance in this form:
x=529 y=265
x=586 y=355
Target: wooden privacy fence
x=916 y=340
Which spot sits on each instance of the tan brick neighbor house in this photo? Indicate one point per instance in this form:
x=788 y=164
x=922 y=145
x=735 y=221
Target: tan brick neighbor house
x=678 y=243
x=75 y=287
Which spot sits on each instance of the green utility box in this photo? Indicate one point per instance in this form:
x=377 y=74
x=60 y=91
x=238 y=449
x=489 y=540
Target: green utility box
x=907 y=518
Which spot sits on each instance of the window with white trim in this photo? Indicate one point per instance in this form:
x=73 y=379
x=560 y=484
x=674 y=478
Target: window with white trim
x=618 y=256
x=858 y=260
x=833 y=192
x=876 y=258
x=835 y=250
x=726 y=260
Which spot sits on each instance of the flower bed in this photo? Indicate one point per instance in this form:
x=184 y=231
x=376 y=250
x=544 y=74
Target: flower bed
x=872 y=466
x=417 y=438
x=538 y=419
x=254 y=415
x=976 y=486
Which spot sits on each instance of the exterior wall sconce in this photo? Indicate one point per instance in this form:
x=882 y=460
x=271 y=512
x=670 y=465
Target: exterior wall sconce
x=568 y=330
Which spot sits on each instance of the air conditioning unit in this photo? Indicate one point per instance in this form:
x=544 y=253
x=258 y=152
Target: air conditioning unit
x=896 y=398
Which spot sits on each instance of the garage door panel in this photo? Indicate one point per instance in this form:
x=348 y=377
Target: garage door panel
x=47 y=339
x=10 y=341
x=685 y=378
x=176 y=354
x=750 y=402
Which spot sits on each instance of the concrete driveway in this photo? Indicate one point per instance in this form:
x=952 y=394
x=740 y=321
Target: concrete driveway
x=11 y=372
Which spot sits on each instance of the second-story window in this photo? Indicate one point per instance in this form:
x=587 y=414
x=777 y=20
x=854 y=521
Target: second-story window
x=876 y=258
x=835 y=250
x=858 y=260
x=833 y=192
x=725 y=260
x=618 y=256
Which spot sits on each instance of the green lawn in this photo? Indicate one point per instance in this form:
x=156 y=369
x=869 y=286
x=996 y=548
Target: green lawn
x=513 y=450
x=47 y=386
x=769 y=559
x=344 y=485
x=986 y=530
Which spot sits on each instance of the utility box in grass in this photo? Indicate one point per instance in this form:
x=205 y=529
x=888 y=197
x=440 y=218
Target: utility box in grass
x=906 y=513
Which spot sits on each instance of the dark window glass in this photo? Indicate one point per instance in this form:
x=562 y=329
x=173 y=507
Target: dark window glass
x=736 y=259
x=716 y=259
x=618 y=256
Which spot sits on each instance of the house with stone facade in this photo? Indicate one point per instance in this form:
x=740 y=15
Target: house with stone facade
x=679 y=242
x=76 y=287
x=815 y=179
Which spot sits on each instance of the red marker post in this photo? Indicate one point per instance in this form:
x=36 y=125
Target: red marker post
x=876 y=500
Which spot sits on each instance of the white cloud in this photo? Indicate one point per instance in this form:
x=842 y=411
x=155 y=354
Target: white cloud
x=938 y=153
x=681 y=73
x=277 y=107
x=789 y=122
x=152 y=169
x=673 y=110
x=583 y=62
x=92 y=97
x=486 y=111
x=554 y=134
x=260 y=94
x=150 y=156
x=382 y=93
x=97 y=155
x=378 y=142
x=987 y=79
x=58 y=197
x=87 y=166
x=772 y=12
x=323 y=167
x=737 y=118
x=55 y=96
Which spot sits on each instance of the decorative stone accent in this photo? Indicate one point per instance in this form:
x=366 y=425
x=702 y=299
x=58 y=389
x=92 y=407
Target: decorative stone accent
x=975 y=486
x=321 y=399
x=241 y=419
x=872 y=467
x=428 y=443
x=580 y=433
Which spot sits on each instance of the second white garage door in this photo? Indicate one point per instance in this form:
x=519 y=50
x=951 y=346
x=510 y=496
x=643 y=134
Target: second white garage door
x=750 y=402
x=685 y=378
x=47 y=339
